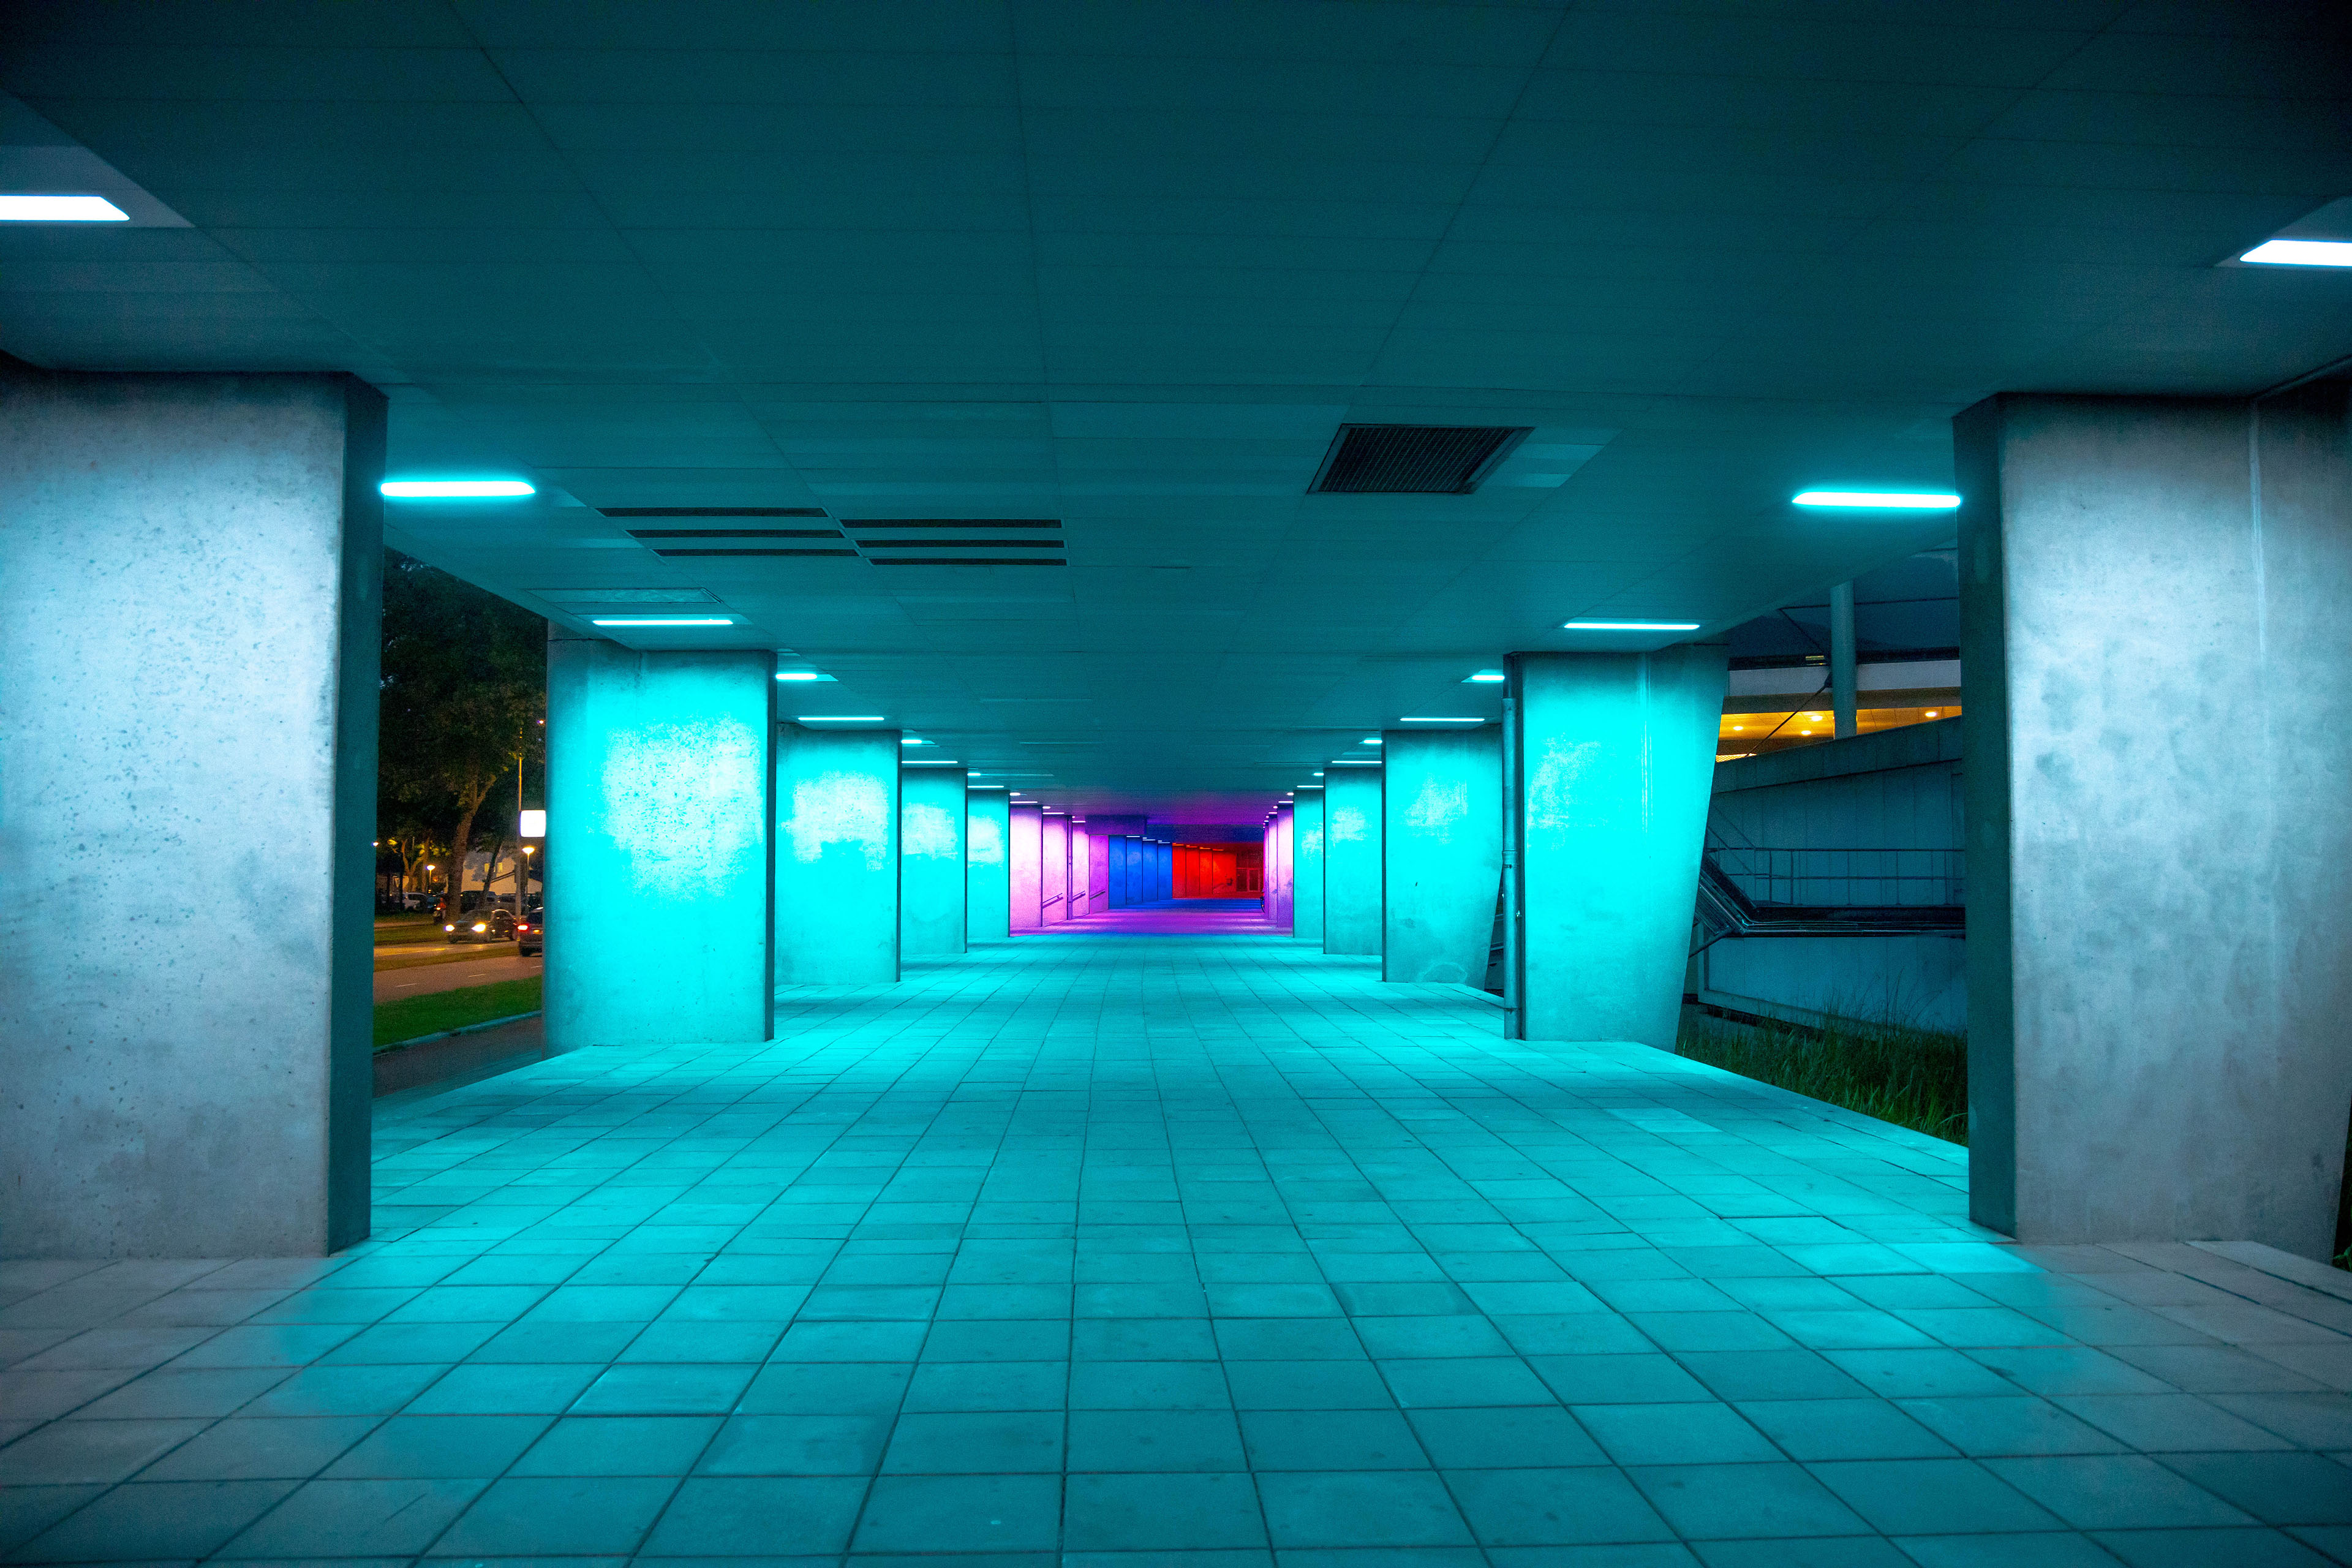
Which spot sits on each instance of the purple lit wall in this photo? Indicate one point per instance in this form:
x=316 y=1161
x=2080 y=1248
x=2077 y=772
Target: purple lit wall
x=1078 y=905
x=1278 y=870
x=1054 y=869
x=1025 y=861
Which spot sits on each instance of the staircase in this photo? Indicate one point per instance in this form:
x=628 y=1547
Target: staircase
x=1753 y=890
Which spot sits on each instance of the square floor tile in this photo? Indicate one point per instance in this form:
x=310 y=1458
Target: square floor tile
x=979 y=1443
x=67 y=1453
x=2277 y=1489
x=1991 y=1427
x=155 y=1521
x=661 y=1389
x=1731 y=1503
x=724 y=1517
x=586 y=1516
x=1675 y=1433
x=356 y=1518
x=1306 y=1386
x=1334 y=1440
x=837 y=1388
x=1360 y=1508
x=1522 y=1438
x=2115 y=1491
x=1931 y=1496
x=1555 y=1507
x=796 y=1446
x=619 y=1446
x=1460 y=1383
x=1154 y=1440
x=1147 y=1385
x=433 y=1447
x=1807 y=1429
x=1163 y=1512
x=961 y=1513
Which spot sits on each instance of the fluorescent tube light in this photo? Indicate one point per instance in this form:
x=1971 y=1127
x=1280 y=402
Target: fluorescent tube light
x=661 y=621
x=1441 y=721
x=802 y=675
x=25 y=208
x=910 y=740
x=1881 y=501
x=453 y=489
x=1353 y=762
x=1370 y=740
x=1483 y=678
x=1629 y=625
x=837 y=719
x=2301 y=253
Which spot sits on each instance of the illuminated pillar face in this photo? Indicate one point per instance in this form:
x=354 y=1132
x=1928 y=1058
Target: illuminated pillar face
x=988 y=887
x=1026 y=852
x=1098 y=871
x=658 y=774
x=932 y=823
x=1081 y=860
x=1279 y=869
x=836 y=856
x=1352 y=861
x=1443 y=838
x=1054 y=871
x=1614 y=755
x=1307 y=865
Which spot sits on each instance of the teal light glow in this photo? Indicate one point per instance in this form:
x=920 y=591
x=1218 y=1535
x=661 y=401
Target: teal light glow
x=1629 y=625
x=662 y=621
x=455 y=490
x=25 y=208
x=1483 y=678
x=1880 y=500
x=2301 y=253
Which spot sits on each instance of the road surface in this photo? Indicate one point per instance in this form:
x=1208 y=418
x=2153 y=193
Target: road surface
x=501 y=964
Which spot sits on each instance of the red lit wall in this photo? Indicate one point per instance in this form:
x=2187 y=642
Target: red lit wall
x=1219 y=871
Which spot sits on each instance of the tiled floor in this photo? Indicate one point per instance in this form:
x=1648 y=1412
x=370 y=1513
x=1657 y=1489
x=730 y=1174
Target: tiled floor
x=1212 y=1250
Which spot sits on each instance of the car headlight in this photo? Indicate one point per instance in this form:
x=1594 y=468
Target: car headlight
x=449 y=928
x=480 y=926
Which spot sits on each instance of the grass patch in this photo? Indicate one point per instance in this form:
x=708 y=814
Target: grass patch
x=1914 y=1078
x=414 y=1016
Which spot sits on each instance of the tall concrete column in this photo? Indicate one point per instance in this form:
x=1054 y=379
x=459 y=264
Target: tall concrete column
x=658 y=887
x=1131 y=859
x=1097 y=872
x=1025 y=860
x=932 y=815
x=1307 y=865
x=836 y=856
x=2156 y=600
x=1278 y=872
x=1614 y=756
x=1843 y=721
x=190 y=618
x=1164 y=872
x=1441 y=837
x=988 y=884
x=1081 y=870
x=1352 y=861
x=1054 y=869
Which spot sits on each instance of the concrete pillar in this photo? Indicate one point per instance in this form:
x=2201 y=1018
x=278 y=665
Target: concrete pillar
x=1352 y=861
x=1164 y=872
x=1054 y=869
x=1097 y=872
x=1081 y=863
x=1307 y=865
x=1842 y=681
x=2156 y=601
x=190 y=601
x=659 y=892
x=932 y=815
x=1614 y=756
x=836 y=856
x=1441 y=839
x=1278 y=868
x=1131 y=856
x=988 y=885
x=1026 y=857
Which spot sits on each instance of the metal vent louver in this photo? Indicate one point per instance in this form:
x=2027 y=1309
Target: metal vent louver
x=959 y=540
x=695 y=537
x=1414 y=460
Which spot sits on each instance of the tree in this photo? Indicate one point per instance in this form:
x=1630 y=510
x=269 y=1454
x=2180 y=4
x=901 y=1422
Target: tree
x=465 y=689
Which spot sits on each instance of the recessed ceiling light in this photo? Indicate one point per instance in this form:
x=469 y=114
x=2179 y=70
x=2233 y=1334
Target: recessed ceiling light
x=837 y=719
x=1884 y=501
x=931 y=763
x=1441 y=721
x=1931 y=713
x=2301 y=253
x=662 y=621
x=453 y=489
x=1353 y=762
x=800 y=674
x=28 y=208
x=910 y=740
x=1629 y=625
x=1318 y=774
x=1483 y=678
x=1370 y=740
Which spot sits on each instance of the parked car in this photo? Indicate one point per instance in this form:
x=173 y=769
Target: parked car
x=493 y=925
x=528 y=932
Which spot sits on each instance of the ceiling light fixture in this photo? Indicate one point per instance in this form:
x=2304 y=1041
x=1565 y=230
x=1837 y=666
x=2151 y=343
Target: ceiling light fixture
x=26 y=208
x=1629 y=625
x=1370 y=740
x=1353 y=762
x=455 y=490
x=2301 y=253
x=662 y=621
x=1441 y=721
x=1880 y=500
x=1483 y=678
x=837 y=719
x=800 y=674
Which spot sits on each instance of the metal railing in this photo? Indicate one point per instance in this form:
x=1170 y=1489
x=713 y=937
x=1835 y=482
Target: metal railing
x=1842 y=879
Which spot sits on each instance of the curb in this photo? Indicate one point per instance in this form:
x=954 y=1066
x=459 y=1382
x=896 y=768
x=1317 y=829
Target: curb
x=390 y=1045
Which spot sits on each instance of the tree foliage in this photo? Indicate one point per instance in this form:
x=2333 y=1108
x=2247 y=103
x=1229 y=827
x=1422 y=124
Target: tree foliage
x=464 y=698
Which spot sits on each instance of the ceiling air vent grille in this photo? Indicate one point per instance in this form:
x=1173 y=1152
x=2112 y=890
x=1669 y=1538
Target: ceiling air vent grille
x=712 y=511
x=713 y=540
x=1414 y=460
x=959 y=540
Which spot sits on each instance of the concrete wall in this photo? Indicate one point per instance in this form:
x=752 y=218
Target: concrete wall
x=1441 y=839
x=2157 y=609
x=988 y=887
x=1024 y=855
x=1615 y=754
x=1307 y=865
x=1352 y=861
x=933 y=817
x=190 y=606
x=836 y=856
x=659 y=893
x=1897 y=789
